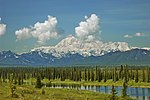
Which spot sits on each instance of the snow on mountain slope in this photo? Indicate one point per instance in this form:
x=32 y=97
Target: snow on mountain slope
x=73 y=45
x=145 y=48
x=37 y=58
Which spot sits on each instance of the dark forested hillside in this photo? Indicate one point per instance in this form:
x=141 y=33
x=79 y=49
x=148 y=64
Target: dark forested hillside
x=19 y=74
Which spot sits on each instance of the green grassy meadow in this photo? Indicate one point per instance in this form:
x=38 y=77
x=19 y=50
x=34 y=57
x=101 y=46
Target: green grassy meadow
x=29 y=92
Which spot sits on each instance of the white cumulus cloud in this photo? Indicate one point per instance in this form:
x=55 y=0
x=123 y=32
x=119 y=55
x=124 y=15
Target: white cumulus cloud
x=88 y=29
x=23 y=33
x=2 y=28
x=41 y=31
x=139 y=34
x=128 y=36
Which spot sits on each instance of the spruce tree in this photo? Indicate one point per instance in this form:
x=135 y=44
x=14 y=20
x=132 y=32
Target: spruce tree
x=105 y=76
x=54 y=73
x=38 y=82
x=143 y=76
x=136 y=76
x=124 y=89
x=19 y=80
x=114 y=93
x=148 y=75
x=85 y=75
x=80 y=76
x=125 y=74
x=131 y=74
x=72 y=73
x=43 y=91
x=121 y=72
x=88 y=75
x=96 y=74
x=115 y=76
x=99 y=75
x=92 y=75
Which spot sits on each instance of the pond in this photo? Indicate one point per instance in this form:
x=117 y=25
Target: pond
x=134 y=92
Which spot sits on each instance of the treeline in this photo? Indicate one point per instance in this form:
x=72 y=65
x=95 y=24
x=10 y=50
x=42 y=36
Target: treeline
x=127 y=73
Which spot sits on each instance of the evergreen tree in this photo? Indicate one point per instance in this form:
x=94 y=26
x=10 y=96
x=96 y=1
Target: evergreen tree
x=125 y=74
x=131 y=74
x=62 y=76
x=79 y=75
x=54 y=73
x=143 y=76
x=99 y=75
x=43 y=91
x=15 y=81
x=19 y=80
x=88 y=74
x=92 y=75
x=121 y=72
x=96 y=74
x=115 y=76
x=85 y=75
x=136 y=76
x=38 y=82
x=148 y=75
x=124 y=89
x=114 y=93
x=72 y=74
x=105 y=76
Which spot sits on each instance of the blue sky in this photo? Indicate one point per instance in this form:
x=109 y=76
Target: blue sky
x=120 y=20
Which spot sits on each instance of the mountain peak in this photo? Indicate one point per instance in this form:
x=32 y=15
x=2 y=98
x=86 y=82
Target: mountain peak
x=73 y=45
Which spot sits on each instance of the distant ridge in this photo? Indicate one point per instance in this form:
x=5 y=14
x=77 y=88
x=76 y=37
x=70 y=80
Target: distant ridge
x=39 y=58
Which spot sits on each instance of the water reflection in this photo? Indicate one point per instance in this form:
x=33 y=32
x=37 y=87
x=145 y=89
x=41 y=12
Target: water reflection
x=136 y=89
x=138 y=93
x=143 y=94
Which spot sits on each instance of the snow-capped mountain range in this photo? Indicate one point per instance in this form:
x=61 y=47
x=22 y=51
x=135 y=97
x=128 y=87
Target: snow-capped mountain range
x=73 y=45
x=39 y=58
